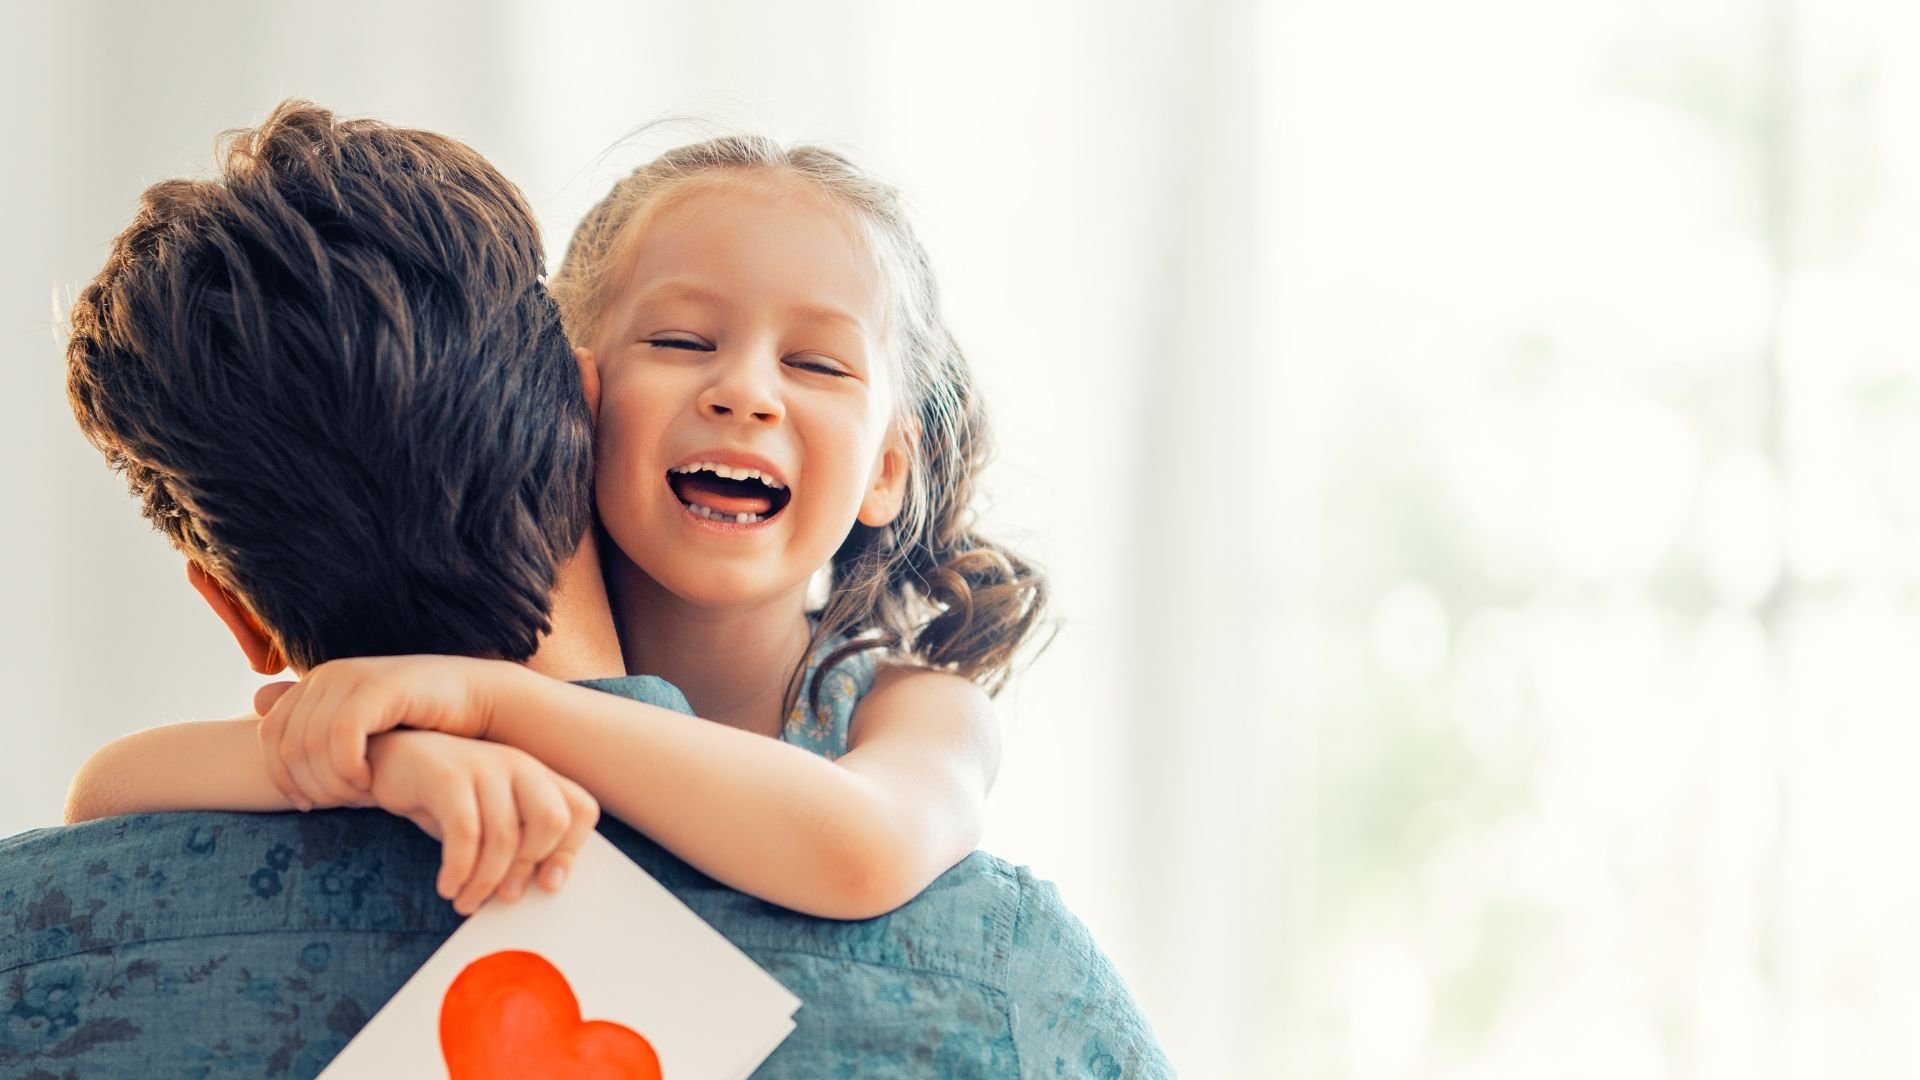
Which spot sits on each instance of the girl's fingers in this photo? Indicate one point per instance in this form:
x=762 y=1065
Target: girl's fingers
x=553 y=872
x=272 y=729
x=427 y=825
x=319 y=760
x=514 y=885
x=544 y=813
x=459 y=830
x=265 y=697
x=318 y=746
x=499 y=839
x=543 y=820
x=583 y=814
x=313 y=764
x=293 y=742
x=347 y=747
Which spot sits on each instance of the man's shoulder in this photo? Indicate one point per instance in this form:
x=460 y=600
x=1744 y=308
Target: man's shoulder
x=986 y=963
x=962 y=925
x=148 y=877
x=143 y=876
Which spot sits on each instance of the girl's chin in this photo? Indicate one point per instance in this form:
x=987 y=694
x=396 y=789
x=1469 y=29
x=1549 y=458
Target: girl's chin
x=721 y=565
x=713 y=585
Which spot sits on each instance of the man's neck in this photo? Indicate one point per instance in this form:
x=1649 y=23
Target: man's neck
x=732 y=664
x=584 y=643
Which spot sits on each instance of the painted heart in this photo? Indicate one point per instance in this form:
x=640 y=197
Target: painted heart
x=513 y=1016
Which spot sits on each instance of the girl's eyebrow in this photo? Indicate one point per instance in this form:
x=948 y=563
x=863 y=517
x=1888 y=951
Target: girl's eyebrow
x=832 y=316
x=692 y=293
x=684 y=291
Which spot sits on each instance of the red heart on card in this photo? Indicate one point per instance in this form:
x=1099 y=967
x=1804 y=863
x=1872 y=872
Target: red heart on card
x=512 y=1016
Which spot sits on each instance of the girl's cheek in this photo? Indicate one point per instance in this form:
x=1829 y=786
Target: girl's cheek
x=623 y=409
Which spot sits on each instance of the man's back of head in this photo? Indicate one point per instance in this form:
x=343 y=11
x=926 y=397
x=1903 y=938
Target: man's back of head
x=336 y=383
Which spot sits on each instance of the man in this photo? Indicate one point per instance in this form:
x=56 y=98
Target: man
x=334 y=380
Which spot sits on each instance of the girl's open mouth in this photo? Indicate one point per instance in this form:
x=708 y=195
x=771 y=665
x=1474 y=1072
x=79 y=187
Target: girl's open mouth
x=733 y=496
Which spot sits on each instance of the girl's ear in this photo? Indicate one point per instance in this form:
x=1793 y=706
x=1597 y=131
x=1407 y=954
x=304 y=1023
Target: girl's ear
x=590 y=380
x=263 y=653
x=889 y=489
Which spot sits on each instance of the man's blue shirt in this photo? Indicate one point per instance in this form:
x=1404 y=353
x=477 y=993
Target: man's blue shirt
x=214 y=944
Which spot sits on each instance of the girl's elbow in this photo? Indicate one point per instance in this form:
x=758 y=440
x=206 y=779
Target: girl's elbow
x=78 y=808
x=869 y=896
x=874 y=879
x=877 y=861
x=89 y=796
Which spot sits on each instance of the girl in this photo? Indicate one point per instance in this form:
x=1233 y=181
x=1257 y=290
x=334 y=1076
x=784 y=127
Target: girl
x=777 y=396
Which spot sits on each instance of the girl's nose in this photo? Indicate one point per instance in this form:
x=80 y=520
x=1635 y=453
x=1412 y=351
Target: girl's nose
x=744 y=390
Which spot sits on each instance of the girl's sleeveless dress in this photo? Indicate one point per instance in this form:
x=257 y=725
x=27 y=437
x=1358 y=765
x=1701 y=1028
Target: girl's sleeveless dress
x=824 y=730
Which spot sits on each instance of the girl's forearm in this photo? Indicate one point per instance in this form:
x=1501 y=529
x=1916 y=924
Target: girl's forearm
x=754 y=813
x=204 y=765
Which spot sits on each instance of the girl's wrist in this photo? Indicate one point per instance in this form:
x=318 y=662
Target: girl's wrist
x=512 y=691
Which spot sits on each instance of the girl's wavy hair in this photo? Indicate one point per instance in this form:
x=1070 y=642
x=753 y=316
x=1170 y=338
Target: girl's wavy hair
x=926 y=585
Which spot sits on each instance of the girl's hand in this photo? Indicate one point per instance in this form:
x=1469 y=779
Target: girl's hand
x=500 y=815
x=314 y=732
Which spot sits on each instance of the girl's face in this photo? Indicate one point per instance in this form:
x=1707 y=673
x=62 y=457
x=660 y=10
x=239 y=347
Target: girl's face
x=745 y=393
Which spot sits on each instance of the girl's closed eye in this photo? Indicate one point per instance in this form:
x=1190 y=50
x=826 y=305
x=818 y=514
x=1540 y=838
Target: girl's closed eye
x=819 y=364
x=693 y=344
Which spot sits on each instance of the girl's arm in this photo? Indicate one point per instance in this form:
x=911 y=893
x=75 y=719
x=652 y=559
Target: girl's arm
x=208 y=765
x=847 y=839
x=499 y=814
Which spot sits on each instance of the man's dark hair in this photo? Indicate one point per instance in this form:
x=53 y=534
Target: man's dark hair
x=334 y=379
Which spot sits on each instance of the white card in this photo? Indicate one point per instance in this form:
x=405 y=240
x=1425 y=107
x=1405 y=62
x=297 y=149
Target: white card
x=629 y=952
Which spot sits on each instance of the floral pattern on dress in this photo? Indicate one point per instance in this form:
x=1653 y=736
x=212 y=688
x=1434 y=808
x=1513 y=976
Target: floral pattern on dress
x=823 y=730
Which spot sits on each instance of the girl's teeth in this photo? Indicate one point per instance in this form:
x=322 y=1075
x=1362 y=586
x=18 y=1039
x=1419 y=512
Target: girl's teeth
x=729 y=472
x=714 y=515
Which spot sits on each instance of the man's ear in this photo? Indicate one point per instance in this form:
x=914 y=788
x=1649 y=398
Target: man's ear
x=590 y=380
x=889 y=489
x=263 y=653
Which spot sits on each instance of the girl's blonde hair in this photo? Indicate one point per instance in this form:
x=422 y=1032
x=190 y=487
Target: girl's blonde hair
x=927 y=585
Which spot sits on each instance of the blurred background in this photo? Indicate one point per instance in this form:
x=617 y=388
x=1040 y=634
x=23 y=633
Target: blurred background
x=1477 y=447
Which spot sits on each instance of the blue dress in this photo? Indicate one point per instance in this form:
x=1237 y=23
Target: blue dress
x=824 y=730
